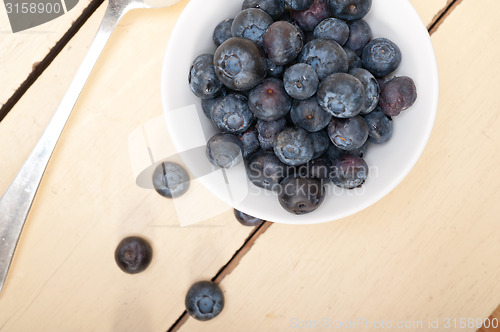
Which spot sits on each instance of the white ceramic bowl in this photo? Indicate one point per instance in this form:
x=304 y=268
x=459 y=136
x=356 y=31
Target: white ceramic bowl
x=396 y=20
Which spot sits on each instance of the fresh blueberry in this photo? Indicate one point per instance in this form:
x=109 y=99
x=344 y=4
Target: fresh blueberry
x=251 y=23
x=360 y=34
x=397 y=95
x=273 y=70
x=239 y=64
x=275 y=8
x=207 y=104
x=379 y=125
x=224 y=150
x=282 y=42
x=300 y=195
x=307 y=19
x=341 y=95
x=381 y=57
x=309 y=115
x=231 y=113
x=246 y=219
x=204 y=300
x=265 y=170
x=348 y=134
x=170 y=179
x=318 y=168
x=249 y=141
x=299 y=4
x=332 y=28
x=301 y=81
x=353 y=59
x=267 y=131
x=294 y=146
x=222 y=32
x=333 y=153
x=326 y=56
x=133 y=254
x=321 y=142
x=372 y=89
x=203 y=80
x=349 y=172
x=359 y=152
x=350 y=10
x=269 y=101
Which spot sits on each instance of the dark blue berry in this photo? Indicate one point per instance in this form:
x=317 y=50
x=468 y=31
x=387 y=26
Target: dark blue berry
x=353 y=59
x=307 y=19
x=379 y=125
x=372 y=89
x=349 y=171
x=246 y=219
x=309 y=115
x=275 y=8
x=203 y=80
x=333 y=153
x=204 y=300
x=222 y=32
x=301 y=195
x=321 y=142
x=269 y=101
x=318 y=168
x=251 y=23
x=267 y=131
x=265 y=170
x=282 y=42
x=294 y=146
x=359 y=152
x=231 y=113
x=207 y=104
x=301 y=81
x=274 y=70
x=133 y=254
x=239 y=64
x=348 y=134
x=341 y=95
x=332 y=28
x=299 y=4
x=249 y=141
x=350 y=10
x=381 y=57
x=224 y=150
x=360 y=34
x=398 y=94
x=326 y=56
x=170 y=179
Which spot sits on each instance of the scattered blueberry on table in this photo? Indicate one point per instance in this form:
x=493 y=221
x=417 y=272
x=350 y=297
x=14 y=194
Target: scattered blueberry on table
x=133 y=254
x=204 y=300
x=170 y=179
x=299 y=89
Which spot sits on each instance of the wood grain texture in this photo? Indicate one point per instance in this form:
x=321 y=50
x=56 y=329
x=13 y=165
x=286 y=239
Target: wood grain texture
x=64 y=277
x=23 y=50
x=421 y=253
x=424 y=253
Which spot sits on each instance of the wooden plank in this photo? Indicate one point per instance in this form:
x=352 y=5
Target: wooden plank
x=64 y=277
x=426 y=252
x=21 y=51
x=429 y=9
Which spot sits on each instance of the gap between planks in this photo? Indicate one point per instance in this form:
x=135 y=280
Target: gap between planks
x=247 y=245
x=229 y=267
x=39 y=67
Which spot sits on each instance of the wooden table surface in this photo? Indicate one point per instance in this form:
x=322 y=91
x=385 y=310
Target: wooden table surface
x=427 y=252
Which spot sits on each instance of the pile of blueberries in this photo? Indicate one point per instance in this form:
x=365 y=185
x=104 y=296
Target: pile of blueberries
x=298 y=89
